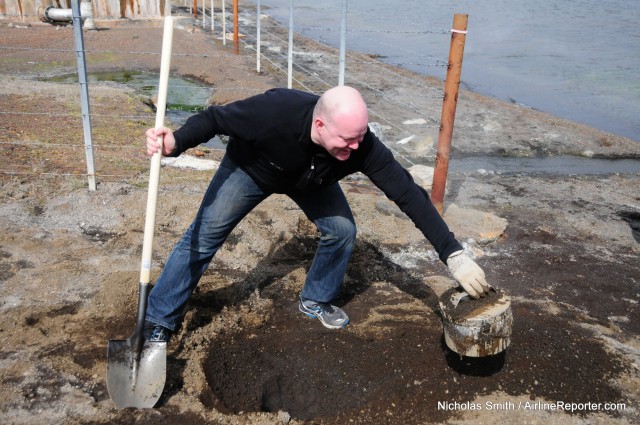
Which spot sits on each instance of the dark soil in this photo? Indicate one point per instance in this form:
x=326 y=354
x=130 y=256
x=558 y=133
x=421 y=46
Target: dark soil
x=467 y=307
x=291 y=364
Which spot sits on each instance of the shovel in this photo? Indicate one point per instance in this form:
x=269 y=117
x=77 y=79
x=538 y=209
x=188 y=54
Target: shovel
x=136 y=369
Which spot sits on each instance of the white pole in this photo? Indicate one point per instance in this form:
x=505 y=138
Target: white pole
x=212 y=16
x=204 y=14
x=258 y=37
x=290 y=55
x=84 y=92
x=343 y=36
x=224 y=25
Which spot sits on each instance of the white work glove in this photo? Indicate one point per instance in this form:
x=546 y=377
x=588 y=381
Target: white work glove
x=468 y=274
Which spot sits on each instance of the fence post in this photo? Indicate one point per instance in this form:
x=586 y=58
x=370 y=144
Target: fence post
x=224 y=23
x=84 y=91
x=452 y=85
x=258 y=37
x=343 y=36
x=236 y=34
x=290 y=54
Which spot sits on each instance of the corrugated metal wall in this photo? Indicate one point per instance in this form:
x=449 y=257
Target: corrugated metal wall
x=132 y=9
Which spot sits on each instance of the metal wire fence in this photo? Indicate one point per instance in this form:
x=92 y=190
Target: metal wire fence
x=272 y=38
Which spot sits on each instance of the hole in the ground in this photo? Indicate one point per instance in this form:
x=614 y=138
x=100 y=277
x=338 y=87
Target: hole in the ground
x=293 y=364
x=310 y=372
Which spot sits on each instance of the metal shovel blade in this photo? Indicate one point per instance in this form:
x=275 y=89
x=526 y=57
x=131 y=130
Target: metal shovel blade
x=136 y=379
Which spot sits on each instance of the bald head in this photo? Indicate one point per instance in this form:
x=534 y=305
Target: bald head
x=340 y=121
x=341 y=101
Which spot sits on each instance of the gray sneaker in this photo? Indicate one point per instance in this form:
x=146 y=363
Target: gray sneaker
x=331 y=316
x=155 y=333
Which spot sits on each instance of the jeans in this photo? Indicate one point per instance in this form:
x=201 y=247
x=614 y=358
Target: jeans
x=231 y=195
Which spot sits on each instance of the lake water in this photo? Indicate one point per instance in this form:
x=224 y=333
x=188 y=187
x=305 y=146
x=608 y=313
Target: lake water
x=578 y=60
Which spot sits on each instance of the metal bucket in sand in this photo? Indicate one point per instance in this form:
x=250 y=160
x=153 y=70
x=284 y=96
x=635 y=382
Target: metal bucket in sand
x=476 y=328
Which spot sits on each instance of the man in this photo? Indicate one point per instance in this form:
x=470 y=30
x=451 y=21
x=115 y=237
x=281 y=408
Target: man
x=299 y=144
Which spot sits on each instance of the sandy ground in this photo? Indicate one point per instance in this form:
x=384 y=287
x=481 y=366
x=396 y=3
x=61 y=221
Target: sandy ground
x=565 y=247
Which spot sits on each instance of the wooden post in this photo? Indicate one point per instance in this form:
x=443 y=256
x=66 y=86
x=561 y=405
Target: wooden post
x=195 y=9
x=451 y=87
x=236 y=37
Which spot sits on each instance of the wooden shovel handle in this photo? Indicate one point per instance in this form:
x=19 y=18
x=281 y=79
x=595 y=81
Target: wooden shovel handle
x=154 y=175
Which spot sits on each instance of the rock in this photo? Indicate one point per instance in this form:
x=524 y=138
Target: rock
x=479 y=225
x=423 y=175
x=587 y=153
x=422 y=146
x=389 y=208
x=378 y=129
x=406 y=140
x=417 y=121
x=188 y=161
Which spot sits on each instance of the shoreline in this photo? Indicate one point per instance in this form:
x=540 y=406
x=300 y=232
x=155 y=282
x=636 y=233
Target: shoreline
x=476 y=71
x=484 y=125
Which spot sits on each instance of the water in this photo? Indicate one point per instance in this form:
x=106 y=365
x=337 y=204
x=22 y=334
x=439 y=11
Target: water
x=564 y=166
x=184 y=96
x=578 y=60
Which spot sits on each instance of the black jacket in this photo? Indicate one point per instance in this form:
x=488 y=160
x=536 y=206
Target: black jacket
x=270 y=138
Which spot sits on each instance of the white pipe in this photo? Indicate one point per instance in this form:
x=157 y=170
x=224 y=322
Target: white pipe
x=55 y=15
x=87 y=10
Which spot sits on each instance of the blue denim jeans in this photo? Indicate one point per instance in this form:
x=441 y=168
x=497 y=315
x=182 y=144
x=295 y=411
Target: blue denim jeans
x=231 y=195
